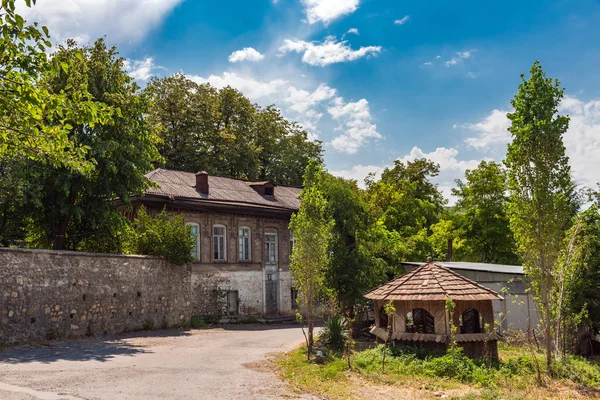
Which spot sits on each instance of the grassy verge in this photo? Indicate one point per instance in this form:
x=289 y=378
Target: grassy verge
x=409 y=376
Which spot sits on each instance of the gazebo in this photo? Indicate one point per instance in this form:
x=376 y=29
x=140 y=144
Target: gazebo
x=421 y=319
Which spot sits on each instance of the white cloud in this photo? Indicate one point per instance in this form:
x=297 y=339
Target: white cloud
x=302 y=100
x=491 y=131
x=246 y=54
x=402 y=20
x=328 y=52
x=460 y=56
x=582 y=139
x=427 y=64
x=251 y=87
x=86 y=20
x=328 y=10
x=140 y=70
x=353 y=31
x=359 y=173
x=355 y=121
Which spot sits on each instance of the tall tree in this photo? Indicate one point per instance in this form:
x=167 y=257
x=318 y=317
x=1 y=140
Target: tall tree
x=222 y=132
x=75 y=205
x=310 y=256
x=350 y=272
x=407 y=203
x=35 y=121
x=542 y=192
x=481 y=216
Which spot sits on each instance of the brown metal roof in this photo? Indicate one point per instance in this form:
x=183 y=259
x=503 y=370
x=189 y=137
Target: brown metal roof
x=182 y=185
x=432 y=282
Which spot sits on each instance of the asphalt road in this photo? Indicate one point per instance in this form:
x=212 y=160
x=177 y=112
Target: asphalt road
x=220 y=363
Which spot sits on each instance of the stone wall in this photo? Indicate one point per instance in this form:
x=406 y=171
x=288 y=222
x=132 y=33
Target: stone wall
x=50 y=294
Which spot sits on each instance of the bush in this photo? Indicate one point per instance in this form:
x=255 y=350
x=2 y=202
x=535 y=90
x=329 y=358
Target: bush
x=456 y=366
x=162 y=235
x=198 y=323
x=148 y=324
x=335 y=333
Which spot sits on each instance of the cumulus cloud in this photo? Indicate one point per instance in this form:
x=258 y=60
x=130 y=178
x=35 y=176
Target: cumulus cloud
x=329 y=52
x=491 y=131
x=459 y=58
x=582 y=139
x=402 y=20
x=355 y=121
x=353 y=31
x=327 y=11
x=254 y=89
x=246 y=54
x=302 y=100
x=140 y=70
x=86 y=20
x=359 y=173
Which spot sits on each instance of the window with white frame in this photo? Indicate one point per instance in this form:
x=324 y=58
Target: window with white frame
x=195 y=234
x=219 y=243
x=271 y=248
x=245 y=243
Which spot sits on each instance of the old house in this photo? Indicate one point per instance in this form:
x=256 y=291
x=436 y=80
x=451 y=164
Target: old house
x=421 y=318
x=242 y=242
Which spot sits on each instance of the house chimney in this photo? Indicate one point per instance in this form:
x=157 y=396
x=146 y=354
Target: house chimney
x=202 y=182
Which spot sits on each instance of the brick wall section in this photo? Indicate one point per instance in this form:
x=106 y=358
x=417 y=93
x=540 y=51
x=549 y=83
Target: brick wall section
x=54 y=294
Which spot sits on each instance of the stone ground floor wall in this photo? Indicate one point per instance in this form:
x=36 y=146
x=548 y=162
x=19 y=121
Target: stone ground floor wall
x=211 y=284
x=49 y=294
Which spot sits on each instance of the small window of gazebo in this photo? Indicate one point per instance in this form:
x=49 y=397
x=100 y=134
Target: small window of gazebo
x=419 y=298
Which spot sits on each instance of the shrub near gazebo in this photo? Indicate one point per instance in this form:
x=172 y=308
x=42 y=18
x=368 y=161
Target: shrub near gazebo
x=421 y=319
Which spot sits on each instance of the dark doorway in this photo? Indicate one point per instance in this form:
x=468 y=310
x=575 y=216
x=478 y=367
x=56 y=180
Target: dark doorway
x=271 y=291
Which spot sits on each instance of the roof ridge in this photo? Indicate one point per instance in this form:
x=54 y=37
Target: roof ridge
x=404 y=278
x=436 y=278
x=227 y=177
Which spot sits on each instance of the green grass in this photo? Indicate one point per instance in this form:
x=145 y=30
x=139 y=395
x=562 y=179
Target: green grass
x=513 y=377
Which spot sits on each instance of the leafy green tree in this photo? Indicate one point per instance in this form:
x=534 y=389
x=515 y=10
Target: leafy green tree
x=77 y=206
x=222 y=132
x=442 y=233
x=163 y=235
x=312 y=228
x=481 y=216
x=35 y=120
x=587 y=294
x=576 y=252
x=351 y=272
x=14 y=195
x=406 y=202
x=542 y=193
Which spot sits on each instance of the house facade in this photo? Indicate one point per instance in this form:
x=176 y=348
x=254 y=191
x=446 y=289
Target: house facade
x=242 y=241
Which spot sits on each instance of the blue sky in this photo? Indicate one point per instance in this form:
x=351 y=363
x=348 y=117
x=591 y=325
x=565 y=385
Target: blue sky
x=374 y=80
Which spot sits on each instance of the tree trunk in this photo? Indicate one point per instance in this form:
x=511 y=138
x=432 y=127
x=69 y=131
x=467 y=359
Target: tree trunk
x=59 y=235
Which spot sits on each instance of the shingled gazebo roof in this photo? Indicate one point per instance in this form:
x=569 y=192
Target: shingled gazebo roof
x=432 y=282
